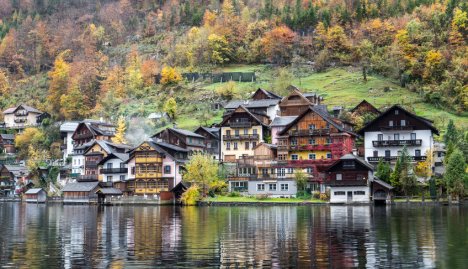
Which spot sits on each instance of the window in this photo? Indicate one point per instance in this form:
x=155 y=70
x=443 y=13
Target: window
x=260 y=187
x=246 y=145
x=312 y=141
x=390 y=123
x=312 y=156
x=359 y=193
x=327 y=126
x=109 y=178
x=246 y=131
x=236 y=132
x=294 y=157
x=228 y=145
x=399 y=153
x=311 y=126
x=380 y=137
x=340 y=193
x=387 y=153
x=396 y=111
x=272 y=187
x=403 y=122
x=109 y=165
x=293 y=141
x=122 y=177
x=228 y=132
x=254 y=144
x=329 y=155
x=235 y=145
x=254 y=131
x=328 y=141
x=376 y=153
x=396 y=137
x=339 y=176
x=265 y=171
x=417 y=153
x=310 y=170
x=167 y=169
x=280 y=172
x=413 y=136
x=284 y=187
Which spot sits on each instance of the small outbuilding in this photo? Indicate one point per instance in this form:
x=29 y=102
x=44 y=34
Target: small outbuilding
x=36 y=195
x=80 y=192
x=105 y=193
x=180 y=188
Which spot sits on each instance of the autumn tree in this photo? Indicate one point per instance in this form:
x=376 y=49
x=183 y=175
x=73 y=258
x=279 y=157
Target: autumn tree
x=227 y=91
x=59 y=77
x=29 y=137
x=278 y=45
x=72 y=102
x=119 y=137
x=301 y=182
x=149 y=70
x=115 y=82
x=282 y=81
x=220 y=51
x=36 y=160
x=203 y=171
x=133 y=77
x=170 y=107
x=169 y=76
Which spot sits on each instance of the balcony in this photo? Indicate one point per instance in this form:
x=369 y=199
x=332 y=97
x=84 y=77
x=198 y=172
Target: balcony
x=241 y=137
x=82 y=178
x=21 y=120
x=310 y=132
x=21 y=114
x=397 y=143
x=326 y=147
x=299 y=163
x=394 y=158
x=240 y=124
x=152 y=175
x=148 y=160
x=91 y=164
x=396 y=128
x=242 y=177
x=114 y=170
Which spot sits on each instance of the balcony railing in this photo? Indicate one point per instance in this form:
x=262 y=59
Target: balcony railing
x=21 y=120
x=397 y=143
x=21 y=114
x=88 y=178
x=309 y=132
x=397 y=127
x=241 y=137
x=306 y=162
x=326 y=147
x=91 y=164
x=121 y=170
x=240 y=124
x=394 y=158
x=82 y=136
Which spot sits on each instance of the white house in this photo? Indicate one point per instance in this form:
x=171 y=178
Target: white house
x=66 y=130
x=387 y=135
x=22 y=116
x=114 y=167
x=78 y=159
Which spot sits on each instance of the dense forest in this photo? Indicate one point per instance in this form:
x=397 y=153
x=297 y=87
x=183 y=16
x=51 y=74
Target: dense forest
x=84 y=58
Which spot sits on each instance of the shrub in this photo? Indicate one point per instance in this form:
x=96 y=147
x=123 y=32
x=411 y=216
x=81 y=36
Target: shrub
x=303 y=195
x=316 y=194
x=261 y=196
x=234 y=194
x=325 y=196
x=191 y=196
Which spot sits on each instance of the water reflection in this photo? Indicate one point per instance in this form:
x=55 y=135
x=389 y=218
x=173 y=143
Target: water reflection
x=232 y=237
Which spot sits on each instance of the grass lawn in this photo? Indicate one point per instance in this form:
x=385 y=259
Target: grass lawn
x=244 y=199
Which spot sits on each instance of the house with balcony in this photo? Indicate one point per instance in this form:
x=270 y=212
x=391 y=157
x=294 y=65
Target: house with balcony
x=297 y=102
x=396 y=128
x=23 y=116
x=278 y=124
x=14 y=179
x=78 y=159
x=154 y=168
x=261 y=94
x=66 y=132
x=7 y=144
x=212 y=140
x=89 y=130
x=93 y=156
x=241 y=131
x=113 y=168
x=313 y=141
x=181 y=138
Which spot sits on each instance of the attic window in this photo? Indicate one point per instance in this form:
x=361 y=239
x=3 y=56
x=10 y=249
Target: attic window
x=396 y=111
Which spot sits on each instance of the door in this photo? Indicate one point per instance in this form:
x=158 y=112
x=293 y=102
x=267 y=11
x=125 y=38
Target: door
x=350 y=196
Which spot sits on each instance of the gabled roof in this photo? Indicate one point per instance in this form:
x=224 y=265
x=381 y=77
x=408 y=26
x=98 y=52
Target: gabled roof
x=252 y=103
x=213 y=131
x=25 y=107
x=69 y=126
x=8 y=136
x=80 y=186
x=271 y=146
x=182 y=132
x=110 y=191
x=247 y=111
x=280 y=121
x=17 y=170
x=34 y=191
x=170 y=146
x=364 y=102
x=350 y=156
x=322 y=114
x=382 y=183
x=270 y=95
x=426 y=122
x=121 y=156
x=108 y=147
x=94 y=126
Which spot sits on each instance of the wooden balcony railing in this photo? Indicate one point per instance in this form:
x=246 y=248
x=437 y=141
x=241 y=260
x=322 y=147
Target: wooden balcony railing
x=309 y=132
x=394 y=158
x=240 y=124
x=121 y=170
x=397 y=143
x=240 y=137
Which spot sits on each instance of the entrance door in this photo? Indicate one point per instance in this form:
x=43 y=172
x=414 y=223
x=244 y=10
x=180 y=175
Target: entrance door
x=350 y=196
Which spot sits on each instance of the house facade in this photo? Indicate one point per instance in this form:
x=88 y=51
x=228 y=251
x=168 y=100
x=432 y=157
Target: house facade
x=14 y=179
x=212 y=139
x=66 y=132
x=365 y=107
x=296 y=102
x=182 y=138
x=396 y=128
x=22 y=116
x=89 y=130
x=113 y=168
x=7 y=143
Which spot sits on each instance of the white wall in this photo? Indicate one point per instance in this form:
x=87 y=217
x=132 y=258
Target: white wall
x=292 y=188
x=273 y=111
x=344 y=198
x=174 y=173
x=130 y=166
x=115 y=176
x=78 y=164
x=69 y=144
x=424 y=135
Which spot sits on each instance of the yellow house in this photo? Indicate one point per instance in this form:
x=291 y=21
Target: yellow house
x=241 y=131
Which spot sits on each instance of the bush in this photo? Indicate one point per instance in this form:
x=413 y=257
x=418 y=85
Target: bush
x=191 y=196
x=303 y=195
x=316 y=194
x=325 y=196
x=218 y=187
x=234 y=194
x=261 y=196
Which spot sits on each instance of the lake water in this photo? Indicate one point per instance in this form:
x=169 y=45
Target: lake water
x=403 y=236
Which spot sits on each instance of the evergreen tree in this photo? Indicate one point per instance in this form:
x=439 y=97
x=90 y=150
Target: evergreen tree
x=383 y=171
x=451 y=135
x=456 y=178
x=407 y=178
x=395 y=176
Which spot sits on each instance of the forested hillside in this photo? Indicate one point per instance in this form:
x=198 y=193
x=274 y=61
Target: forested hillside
x=88 y=58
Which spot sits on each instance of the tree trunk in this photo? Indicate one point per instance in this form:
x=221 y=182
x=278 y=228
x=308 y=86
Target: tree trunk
x=364 y=73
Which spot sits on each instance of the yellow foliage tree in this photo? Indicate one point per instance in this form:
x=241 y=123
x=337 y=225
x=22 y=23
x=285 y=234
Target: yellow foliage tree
x=30 y=136
x=433 y=64
x=4 y=84
x=424 y=168
x=59 y=77
x=203 y=171
x=119 y=137
x=72 y=103
x=169 y=75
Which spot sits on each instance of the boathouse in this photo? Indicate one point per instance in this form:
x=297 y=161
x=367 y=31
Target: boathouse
x=36 y=195
x=80 y=192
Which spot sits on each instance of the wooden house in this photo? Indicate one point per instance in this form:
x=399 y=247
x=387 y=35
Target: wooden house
x=313 y=141
x=365 y=107
x=349 y=180
x=89 y=130
x=36 y=195
x=261 y=94
x=241 y=131
x=182 y=138
x=7 y=143
x=296 y=102
x=80 y=192
x=212 y=140
x=14 y=179
x=268 y=107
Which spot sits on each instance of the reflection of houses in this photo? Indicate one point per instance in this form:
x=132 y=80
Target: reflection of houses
x=349 y=179
x=14 y=179
x=23 y=116
x=212 y=138
x=7 y=143
x=387 y=135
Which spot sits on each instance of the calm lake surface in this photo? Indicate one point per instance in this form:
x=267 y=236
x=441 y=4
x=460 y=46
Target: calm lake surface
x=403 y=236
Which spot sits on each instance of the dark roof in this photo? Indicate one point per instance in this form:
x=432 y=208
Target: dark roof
x=8 y=136
x=182 y=185
x=25 y=107
x=109 y=147
x=69 y=126
x=271 y=146
x=269 y=94
x=282 y=120
x=350 y=156
x=310 y=94
x=17 y=170
x=186 y=132
x=362 y=103
x=248 y=112
x=110 y=191
x=121 y=156
x=80 y=186
x=322 y=114
x=382 y=183
x=252 y=103
x=427 y=122
x=213 y=131
x=169 y=146
x=34 y=191
x=96 y=127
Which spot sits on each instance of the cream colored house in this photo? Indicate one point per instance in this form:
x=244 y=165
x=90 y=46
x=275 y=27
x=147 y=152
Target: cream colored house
x=22 y=116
